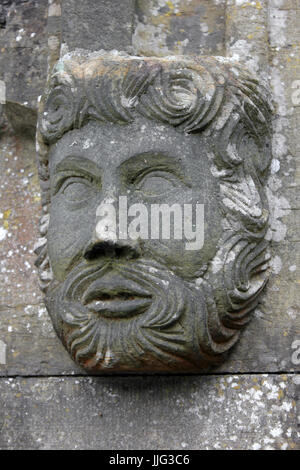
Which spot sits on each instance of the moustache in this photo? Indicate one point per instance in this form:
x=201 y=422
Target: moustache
x=116 y=290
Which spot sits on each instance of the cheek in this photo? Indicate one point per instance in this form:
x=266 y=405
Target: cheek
x=175 y=253
x=69 y=233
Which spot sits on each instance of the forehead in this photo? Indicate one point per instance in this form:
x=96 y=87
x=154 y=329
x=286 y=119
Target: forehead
x=112 y=144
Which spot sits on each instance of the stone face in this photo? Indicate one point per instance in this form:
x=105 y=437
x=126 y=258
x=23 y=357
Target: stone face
x=236 y=412
x=137 y=125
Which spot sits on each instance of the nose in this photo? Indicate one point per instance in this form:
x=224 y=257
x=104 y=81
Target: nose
x=104 y=241
x=113 y=249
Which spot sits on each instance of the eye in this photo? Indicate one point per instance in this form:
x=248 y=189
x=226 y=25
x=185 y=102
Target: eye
x=156 y=183
x=77 y=189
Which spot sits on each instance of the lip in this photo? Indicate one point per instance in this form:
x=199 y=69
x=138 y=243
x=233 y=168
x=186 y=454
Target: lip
x=115 y=297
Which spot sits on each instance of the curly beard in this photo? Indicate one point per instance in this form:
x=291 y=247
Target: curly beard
x=172 y=333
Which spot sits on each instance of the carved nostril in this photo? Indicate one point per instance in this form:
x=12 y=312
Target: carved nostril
x=97 y=250
x=109 y=249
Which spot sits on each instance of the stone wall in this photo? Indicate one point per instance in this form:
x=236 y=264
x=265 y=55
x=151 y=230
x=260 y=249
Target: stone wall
x=250 y=402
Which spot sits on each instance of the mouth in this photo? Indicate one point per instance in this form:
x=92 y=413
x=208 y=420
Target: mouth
x=116 y=298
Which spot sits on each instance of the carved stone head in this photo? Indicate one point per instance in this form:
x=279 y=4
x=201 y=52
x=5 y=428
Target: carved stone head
x=143 y=132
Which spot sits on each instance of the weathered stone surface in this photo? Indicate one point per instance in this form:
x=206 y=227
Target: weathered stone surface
x=23 y=59
x=54 y=30
x=179 y=27
x=2 y=118
x=248 y=412
x=97 y=25
x=29 y=346
x=247 y=34
x=19 y=202
x=22 y=118
x=5 y=10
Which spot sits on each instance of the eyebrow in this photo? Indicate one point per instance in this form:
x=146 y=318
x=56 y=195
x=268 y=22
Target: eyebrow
x=153 y=158
x=73 y=162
